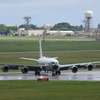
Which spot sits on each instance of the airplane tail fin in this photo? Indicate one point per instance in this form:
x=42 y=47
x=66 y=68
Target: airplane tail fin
x=40 y=47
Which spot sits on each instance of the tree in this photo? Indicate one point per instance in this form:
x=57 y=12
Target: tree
x=31 y=26
x=3 y=29
x=64 y=26
x=11 y=29
x=61 y=26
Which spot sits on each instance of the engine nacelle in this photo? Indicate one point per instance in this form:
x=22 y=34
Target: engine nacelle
x=74 y=69
x=24 y=70
x=5 y=68
x=89 y=67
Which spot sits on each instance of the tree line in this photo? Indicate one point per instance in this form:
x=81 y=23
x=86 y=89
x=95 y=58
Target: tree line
x=5 y=30
x=64 y=26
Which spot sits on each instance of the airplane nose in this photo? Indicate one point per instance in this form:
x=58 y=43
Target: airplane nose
x=55 y=66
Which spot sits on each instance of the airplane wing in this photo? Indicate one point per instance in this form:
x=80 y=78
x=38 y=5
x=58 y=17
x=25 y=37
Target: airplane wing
x=24 y=68
x=81 y=64
x=74 y=67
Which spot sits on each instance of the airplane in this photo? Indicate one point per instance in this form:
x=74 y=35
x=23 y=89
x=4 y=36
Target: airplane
x=47 y=64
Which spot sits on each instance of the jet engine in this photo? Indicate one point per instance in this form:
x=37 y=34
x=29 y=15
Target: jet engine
x=5 y=68
x=89 y=67
x=24 y=70
x=74 y=69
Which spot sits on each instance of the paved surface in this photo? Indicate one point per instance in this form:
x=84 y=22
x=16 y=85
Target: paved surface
x=66 y=75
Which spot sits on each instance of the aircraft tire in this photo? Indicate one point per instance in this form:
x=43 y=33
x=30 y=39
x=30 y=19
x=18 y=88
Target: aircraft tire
x=37 y=72
x=58 y=72
x=53 y=73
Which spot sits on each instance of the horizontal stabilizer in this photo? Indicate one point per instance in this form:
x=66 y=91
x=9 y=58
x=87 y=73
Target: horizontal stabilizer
x=29 y=59
x=55 y=57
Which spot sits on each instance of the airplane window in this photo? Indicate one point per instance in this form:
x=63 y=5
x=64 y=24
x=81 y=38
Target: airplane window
x=52 y=62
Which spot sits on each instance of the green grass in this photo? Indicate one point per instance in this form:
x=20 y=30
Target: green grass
x=63 y=57
x=52 y=90
x=64 y=50
x=35 y=38
x=21 y=45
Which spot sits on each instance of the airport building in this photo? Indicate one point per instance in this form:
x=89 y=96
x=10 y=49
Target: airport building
x=23 y=32
x=61 y=33
x=92 y=32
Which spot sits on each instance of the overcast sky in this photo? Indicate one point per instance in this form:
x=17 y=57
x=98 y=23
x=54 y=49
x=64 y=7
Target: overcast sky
x=48 y=11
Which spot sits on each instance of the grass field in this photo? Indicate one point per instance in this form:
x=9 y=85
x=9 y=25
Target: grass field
x=64 y=57
x=53 y=90
x=29 y=45
x=67 y=51
x=49 y=38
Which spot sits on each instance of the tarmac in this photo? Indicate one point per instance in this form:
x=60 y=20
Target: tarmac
x=81 y=75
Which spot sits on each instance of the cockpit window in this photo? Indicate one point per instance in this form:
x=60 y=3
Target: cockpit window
x=52 y=62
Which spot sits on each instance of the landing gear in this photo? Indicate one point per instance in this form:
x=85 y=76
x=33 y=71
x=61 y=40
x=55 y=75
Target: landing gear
x=53 y=73
x=56 y=73
x=37 y=72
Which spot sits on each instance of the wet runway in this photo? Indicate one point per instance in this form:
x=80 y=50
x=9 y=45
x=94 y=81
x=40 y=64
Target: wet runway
x=81 y=75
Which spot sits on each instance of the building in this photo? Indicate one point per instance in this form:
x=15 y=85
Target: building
x=61 y=33
x=23 y=32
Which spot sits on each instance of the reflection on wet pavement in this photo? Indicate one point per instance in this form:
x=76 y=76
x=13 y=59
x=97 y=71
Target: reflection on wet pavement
x=66 y=75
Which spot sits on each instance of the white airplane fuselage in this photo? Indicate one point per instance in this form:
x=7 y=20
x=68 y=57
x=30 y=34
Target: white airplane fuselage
x=47 y=60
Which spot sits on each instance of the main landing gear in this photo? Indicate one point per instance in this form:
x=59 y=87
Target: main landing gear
x=56 y=73
x=53 y=72
x=37 y=72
